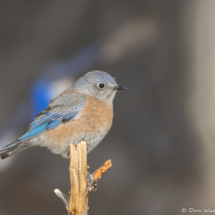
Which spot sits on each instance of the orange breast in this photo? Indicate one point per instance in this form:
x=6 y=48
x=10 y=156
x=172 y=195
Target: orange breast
x=94 y=116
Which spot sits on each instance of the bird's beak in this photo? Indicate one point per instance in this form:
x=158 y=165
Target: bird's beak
x=119 y=88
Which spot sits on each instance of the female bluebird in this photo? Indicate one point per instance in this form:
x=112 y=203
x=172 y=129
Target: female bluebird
x=82 y=112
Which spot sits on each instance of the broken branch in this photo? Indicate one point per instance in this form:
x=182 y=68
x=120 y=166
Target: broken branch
x=82 y=185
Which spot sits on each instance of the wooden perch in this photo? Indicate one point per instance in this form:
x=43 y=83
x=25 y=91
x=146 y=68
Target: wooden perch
x=82 y=183
x=78 y=177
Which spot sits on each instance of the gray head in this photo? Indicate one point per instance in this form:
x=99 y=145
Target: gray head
x=98 y=84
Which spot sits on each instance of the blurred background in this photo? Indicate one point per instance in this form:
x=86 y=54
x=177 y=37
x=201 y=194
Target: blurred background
x=162 y=143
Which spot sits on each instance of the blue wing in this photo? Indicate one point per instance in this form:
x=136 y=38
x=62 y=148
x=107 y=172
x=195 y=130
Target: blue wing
x=51 y=118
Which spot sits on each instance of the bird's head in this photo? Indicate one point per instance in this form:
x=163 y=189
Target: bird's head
x=98 y=84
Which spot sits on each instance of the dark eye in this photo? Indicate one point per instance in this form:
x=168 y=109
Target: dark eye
x=100 y=85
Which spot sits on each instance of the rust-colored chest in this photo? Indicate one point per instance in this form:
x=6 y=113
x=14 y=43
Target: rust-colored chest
x=95 y=117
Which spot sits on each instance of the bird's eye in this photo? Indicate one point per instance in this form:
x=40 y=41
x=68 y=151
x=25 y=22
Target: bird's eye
x=100 y=85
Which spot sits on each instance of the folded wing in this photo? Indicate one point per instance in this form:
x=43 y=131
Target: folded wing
x=53 y=116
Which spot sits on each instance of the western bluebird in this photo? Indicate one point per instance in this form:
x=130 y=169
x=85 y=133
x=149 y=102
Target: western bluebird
x=82 y=112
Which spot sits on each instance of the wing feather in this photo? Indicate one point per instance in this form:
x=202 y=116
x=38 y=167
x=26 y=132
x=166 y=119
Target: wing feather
x=59 y=111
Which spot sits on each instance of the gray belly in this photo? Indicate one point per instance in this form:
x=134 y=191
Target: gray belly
x=92 y=140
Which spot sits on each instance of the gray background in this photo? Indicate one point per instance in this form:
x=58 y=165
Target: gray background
x=161 y=151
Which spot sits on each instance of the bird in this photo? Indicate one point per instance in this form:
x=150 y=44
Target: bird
x=82 y=112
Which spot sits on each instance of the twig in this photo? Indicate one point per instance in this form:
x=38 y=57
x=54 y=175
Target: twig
x=78 y=177
x=64 y=197
x=93 y=178
x=82 y=185
x=102 y=170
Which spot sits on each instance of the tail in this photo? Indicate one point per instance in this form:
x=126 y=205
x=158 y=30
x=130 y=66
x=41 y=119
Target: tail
x=12 y=148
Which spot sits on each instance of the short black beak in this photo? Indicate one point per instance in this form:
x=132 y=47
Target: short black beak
x=119 y=88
